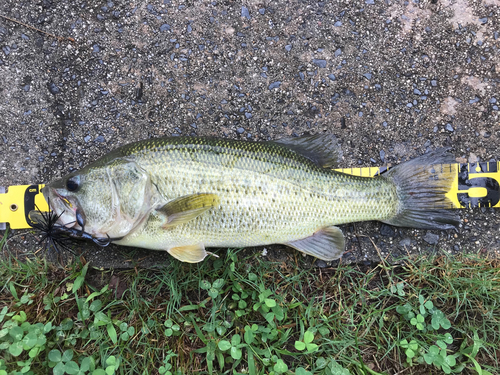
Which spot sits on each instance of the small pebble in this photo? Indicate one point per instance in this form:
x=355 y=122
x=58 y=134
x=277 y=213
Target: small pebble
x=319 y=63
x=332 y=77
x=245 y=13
x=449 y=127
x=387 y=231
x=405 y=242
x=274 y=85
x=53 y=88
x=321 y=263
x=382 y=156
x=431 y=238
x=164 y=27
x=368 y=76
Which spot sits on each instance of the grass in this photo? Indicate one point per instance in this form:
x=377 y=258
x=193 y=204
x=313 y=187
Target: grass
x=242 y=314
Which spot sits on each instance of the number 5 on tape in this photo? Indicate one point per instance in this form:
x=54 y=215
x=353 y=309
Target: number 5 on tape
x=478 y=185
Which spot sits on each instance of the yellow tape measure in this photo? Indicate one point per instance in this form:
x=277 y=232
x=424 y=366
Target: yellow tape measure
x=475 y=185
x=18 y=201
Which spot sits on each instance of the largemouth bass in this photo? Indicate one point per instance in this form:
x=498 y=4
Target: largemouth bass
x=186 y=194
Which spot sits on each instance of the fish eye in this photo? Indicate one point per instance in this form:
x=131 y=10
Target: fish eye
x=73 y=183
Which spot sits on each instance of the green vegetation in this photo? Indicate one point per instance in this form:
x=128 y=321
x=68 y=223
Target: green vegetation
x=244 y=315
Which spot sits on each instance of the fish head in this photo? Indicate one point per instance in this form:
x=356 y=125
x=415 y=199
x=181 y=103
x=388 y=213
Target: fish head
x=106 y=200
x=83 y=200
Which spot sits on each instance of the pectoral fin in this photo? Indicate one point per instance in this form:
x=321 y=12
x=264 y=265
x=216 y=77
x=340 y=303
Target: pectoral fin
x=189 y=254
x=327 y=244
x=186 y=208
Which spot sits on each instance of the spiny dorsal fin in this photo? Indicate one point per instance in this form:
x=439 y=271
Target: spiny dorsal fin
x=327 y=244
x=189 y=254
x=186 y=208
x=322 y=149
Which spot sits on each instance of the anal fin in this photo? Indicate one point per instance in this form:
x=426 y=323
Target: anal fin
x=327 y=244
x=189 y=254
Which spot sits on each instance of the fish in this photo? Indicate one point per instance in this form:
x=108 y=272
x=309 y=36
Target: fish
x=184 y=195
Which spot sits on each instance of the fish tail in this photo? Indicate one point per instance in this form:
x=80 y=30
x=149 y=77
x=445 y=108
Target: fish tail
x=421 y=186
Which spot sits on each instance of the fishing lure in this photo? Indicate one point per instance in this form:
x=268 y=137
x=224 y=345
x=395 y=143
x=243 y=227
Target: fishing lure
x=56 y=236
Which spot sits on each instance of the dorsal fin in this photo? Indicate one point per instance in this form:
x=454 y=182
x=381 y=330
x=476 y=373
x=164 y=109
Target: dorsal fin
x=322 y=149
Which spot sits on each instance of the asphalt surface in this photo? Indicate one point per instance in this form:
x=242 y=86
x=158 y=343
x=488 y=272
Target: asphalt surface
x=391 y=79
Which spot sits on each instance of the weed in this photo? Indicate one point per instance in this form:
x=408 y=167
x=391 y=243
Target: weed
x=431 y=340
x=240 y=315
x=306 y=344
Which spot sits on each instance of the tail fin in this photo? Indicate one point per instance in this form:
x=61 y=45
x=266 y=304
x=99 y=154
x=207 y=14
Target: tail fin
x=421 y=187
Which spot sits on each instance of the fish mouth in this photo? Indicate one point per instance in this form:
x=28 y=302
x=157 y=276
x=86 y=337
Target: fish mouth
x=63 y=207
